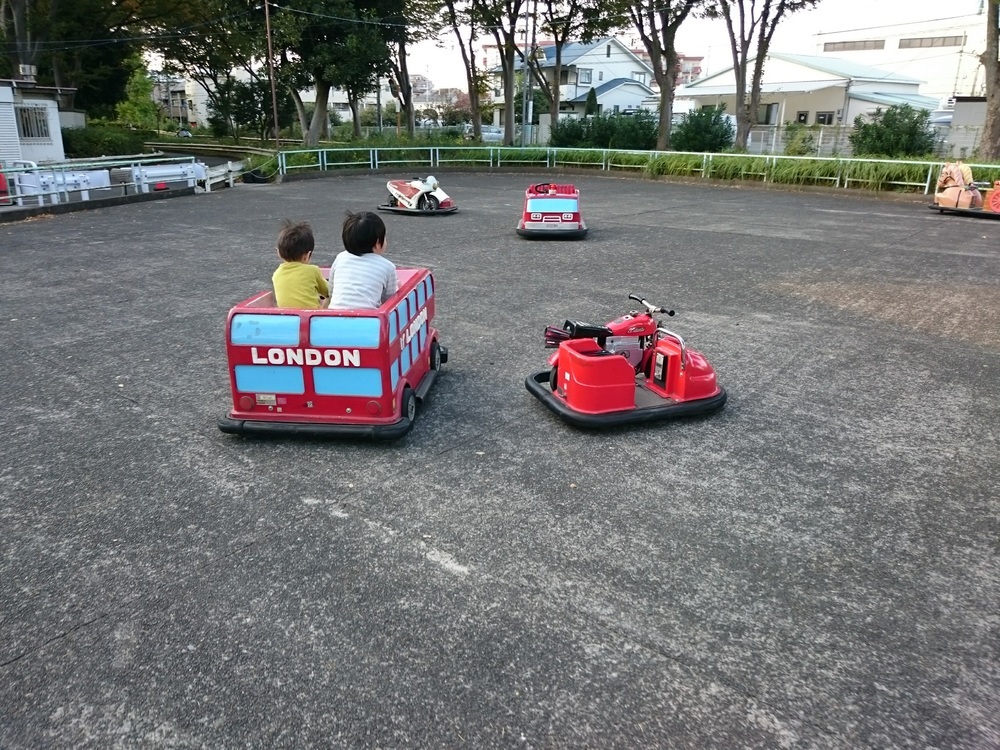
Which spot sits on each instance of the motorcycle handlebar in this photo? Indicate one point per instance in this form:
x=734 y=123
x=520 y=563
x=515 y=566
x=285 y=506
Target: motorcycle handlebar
x=651 y=307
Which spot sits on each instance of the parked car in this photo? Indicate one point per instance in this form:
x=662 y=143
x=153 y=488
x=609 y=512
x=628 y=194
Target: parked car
x=490 y=133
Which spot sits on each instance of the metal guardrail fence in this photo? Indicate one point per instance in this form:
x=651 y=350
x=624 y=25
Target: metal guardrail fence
x=27 y=183
x=838 y=172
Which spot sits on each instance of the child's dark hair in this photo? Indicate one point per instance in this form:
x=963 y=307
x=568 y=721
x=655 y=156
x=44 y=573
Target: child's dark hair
x=362 y=231
x=295 y=240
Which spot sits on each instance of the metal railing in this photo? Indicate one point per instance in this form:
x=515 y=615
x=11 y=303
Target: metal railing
x=838 y=172
x=28 y=183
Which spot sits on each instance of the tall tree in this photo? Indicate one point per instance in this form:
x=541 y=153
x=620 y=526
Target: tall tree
x=463 y=18
x=989 y=146
x=408 y=22
x=211 y=41
x=77 y=44
x=751 y=25
x=657 y=22
x=502 y=17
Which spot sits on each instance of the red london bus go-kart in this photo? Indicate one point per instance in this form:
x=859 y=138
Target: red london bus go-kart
x=551 y=212
x=349 y=373
x=630 y=370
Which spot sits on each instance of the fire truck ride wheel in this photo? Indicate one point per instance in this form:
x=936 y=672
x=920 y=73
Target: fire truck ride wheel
x=409 y=404
x=435 y=356
x=428 y=203
x=392 y=200
x=554 y=378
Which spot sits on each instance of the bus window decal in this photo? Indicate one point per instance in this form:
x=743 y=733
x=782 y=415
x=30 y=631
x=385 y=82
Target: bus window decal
x=344 y=332
x=266 y=330
x=269 y=379
x=335 y=381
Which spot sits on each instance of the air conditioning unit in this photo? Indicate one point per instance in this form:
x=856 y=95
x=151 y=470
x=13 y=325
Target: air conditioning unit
x=27 y=72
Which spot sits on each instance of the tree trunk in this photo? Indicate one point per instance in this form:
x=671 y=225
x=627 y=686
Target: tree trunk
x=311 y=139
x=989 y=146
x=300 y=110
x=352 y=102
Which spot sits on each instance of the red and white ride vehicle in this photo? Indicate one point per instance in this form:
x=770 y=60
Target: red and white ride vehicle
x=350 y=373
x=552 y=212
x=416 y=196
x=630 y=370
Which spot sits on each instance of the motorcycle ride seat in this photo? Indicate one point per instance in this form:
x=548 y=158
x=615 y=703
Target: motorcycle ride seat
x=578 y=330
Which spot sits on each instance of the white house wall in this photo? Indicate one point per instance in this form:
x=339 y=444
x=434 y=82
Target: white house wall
x=10 y=146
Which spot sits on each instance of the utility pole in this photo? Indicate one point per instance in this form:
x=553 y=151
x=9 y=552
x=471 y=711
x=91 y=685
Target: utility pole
x=524 y=74
x=270 y=70
x=528 y=125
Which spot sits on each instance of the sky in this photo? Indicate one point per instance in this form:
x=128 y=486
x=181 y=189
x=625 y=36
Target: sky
x=442 y=62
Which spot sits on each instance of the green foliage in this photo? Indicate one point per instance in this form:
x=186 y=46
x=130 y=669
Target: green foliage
x=628 y=132
x=705 y=130
x=591 y=106
x=103 y=140
x=799 y=140
x=897 y=131
x=239 y=107
x=139 y=110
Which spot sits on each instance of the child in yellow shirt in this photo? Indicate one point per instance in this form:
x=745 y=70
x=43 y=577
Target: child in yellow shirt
x=298 y=283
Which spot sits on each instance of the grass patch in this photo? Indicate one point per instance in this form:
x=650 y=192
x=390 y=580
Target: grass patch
x=682 y=165
x=577 y=158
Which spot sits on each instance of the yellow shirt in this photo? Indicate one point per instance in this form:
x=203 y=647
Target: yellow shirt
x=299 y=285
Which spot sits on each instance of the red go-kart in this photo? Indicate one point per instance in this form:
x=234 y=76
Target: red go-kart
x=551 y=212
x=630 y=370
x=349 y=373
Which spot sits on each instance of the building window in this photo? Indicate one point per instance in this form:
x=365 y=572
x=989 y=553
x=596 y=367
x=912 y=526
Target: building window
x=853 y=46
x=563 y=76
x=584 y=75
x=767 y=114
x=607 y=52
x=32 y=123
x=600 y=75
x=802 y=118
x=824 y=118
x=932 y=41
x=640 y=77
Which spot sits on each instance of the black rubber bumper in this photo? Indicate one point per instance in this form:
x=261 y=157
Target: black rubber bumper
x=552 y=234
x=538 y=386
x=417 y=211
x=317 y=430
x=980 y=212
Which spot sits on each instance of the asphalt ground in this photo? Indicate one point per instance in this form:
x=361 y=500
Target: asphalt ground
x=814 y=566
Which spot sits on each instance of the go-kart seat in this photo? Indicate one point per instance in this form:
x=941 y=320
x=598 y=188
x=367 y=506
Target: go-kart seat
x=578 y=330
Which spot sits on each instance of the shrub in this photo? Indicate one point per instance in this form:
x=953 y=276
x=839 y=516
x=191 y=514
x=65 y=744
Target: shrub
x=799 y=140
x=704 y=130
x=631 y=132
x=103 y=140
x=898 y=131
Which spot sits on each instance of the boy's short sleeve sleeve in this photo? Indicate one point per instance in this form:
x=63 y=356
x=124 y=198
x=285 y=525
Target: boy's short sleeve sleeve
x=391 y=282
x=321 y=286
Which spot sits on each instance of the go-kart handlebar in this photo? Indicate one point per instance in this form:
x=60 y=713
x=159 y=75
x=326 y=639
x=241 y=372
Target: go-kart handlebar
x=651 y=307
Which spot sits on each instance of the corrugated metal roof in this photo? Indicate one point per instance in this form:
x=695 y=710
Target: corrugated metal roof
x=916 y=101
x=845 y=68
x=613 y=84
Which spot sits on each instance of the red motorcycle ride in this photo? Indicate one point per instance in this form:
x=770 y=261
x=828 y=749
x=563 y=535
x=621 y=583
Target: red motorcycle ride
x=630 y=370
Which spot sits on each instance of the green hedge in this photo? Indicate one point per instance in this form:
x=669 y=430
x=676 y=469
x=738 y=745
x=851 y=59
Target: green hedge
x=103 y=140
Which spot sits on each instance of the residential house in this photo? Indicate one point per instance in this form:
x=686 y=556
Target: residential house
x=811 y=90
x=30 y=128
x=618 y=76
